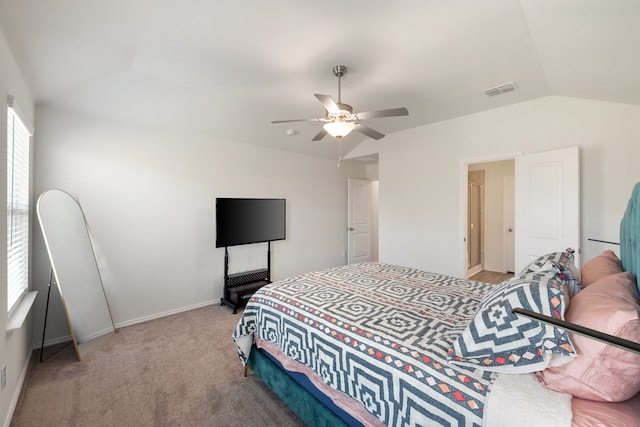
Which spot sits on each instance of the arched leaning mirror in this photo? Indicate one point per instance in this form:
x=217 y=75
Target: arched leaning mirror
x=75 y=269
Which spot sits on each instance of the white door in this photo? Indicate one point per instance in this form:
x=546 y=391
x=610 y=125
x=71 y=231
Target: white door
x=547 y=213
x=359 y=233
x=508 y=226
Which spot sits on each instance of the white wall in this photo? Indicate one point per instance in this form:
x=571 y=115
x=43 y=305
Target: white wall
x=149 y=199
x=15 y=348
x=372 y=175
x=420 y=203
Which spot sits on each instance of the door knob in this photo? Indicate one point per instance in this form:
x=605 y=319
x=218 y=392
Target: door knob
x=350 y=228
x=510 y=230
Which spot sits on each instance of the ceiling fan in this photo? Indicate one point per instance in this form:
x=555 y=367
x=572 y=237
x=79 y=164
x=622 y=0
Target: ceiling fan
x=340 y=119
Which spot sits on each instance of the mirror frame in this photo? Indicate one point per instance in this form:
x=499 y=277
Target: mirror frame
x=78 y=244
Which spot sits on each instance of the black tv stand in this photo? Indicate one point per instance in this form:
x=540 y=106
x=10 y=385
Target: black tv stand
x=239 y=287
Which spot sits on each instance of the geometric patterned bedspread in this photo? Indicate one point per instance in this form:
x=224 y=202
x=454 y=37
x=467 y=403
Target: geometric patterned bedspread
x=380 y=334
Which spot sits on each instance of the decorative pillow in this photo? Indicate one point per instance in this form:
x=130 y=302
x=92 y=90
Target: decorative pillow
x=569 y=264
x=603 y=265
x=500 y=341
x=562 y=262
x=602 y=372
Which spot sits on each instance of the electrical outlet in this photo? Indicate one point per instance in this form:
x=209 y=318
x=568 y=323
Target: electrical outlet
x=3 y=377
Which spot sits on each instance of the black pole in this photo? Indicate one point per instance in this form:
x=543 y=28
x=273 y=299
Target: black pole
x=226 y=265
x=604 y=241
x=581 y=330
x=46 y=313
x=269 y=261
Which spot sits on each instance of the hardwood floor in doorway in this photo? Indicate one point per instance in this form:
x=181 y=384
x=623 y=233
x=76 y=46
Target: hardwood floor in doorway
x=491 y=276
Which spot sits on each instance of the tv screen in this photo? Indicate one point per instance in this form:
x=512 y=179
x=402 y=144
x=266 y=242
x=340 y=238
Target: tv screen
x=244 y=221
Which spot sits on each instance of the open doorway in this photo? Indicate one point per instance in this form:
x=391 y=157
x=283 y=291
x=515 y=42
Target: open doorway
x=490 y=216
x=545 y=206
x=475 y=221
x=362 y=213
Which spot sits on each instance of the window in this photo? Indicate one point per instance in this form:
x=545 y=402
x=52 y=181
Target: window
x=17 y=207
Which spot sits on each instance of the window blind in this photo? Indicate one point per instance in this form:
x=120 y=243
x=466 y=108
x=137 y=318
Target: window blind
x=18 y=138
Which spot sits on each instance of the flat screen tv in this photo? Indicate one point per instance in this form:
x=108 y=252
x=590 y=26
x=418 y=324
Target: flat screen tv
x=244 y=221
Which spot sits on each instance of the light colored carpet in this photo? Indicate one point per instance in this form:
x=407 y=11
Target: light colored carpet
x=180 y=370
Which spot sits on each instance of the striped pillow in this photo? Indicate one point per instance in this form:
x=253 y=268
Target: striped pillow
x=500 y=341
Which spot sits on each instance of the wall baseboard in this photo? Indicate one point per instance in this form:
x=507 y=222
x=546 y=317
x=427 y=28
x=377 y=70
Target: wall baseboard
x=494 y=268
x=165 y=314
x=59 y=340
x=16 y=394
x=50 y=342
x=474 y=270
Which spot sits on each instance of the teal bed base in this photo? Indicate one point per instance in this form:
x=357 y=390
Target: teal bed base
x=304 y=404
x=630 y=235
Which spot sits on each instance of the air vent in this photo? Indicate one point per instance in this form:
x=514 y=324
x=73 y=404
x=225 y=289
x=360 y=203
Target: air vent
x=499 y=90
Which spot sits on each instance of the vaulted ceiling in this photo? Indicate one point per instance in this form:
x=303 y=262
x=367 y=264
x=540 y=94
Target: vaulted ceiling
x=227 y=69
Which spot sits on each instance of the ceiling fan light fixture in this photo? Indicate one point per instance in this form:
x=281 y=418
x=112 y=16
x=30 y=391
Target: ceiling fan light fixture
x=339 y=118
x=338 y=129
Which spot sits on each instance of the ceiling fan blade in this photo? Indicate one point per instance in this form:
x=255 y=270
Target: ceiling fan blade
x=320 y=135
x=298 y=120
x=392 y=112
x=328 y=103
x=368 y=131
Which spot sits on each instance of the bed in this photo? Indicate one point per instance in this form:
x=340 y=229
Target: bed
x=377 y=344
